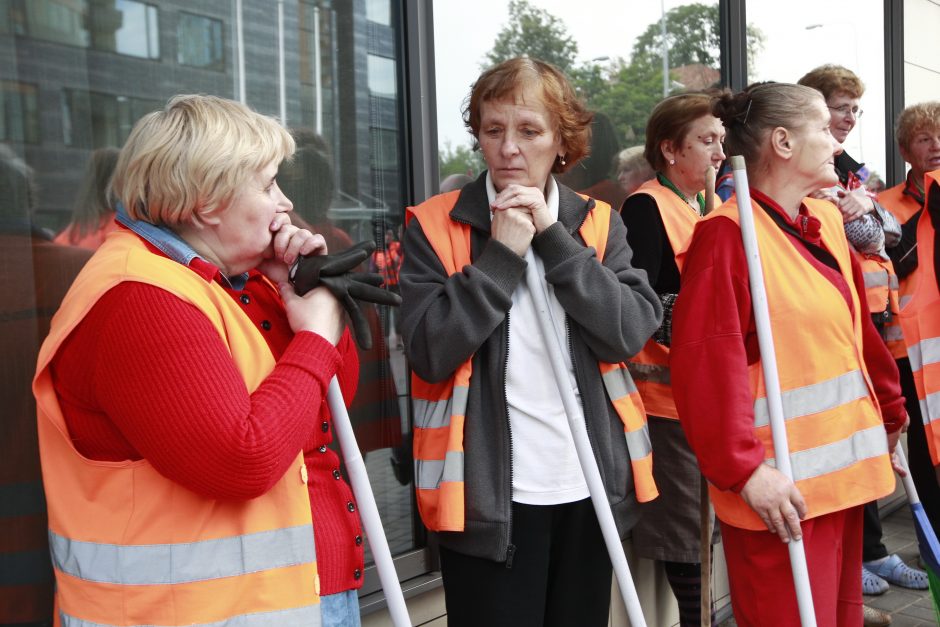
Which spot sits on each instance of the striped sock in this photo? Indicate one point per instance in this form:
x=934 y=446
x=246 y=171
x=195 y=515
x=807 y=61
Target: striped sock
x=686 y=583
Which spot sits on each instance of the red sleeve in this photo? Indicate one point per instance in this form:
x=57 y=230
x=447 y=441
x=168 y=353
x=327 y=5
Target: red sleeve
x=880 y=363
x=348 y=378
x=165 y=379
x=711 y=349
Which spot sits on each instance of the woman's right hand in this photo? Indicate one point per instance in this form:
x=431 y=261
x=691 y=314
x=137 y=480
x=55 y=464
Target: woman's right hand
x=777 y=501
x=317 y=311
x=513 y=228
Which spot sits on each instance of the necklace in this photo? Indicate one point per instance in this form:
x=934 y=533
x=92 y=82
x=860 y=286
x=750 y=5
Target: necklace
x=698 y=199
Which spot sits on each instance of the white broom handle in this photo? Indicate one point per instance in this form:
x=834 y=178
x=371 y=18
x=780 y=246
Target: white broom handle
x=778 y=429
x=912 y=496
x=582 y=444
x=368 y=511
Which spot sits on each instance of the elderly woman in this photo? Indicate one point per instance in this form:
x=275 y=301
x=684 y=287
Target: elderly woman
x=497 y=475
x=918 y=135
x=683 y=139
x=834 y=370
x=632 y=168
x=181 y=394
x=871 y=230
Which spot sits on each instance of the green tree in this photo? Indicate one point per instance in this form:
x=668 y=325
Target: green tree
x=535 y=33
x=459 y=160
x=692 y=36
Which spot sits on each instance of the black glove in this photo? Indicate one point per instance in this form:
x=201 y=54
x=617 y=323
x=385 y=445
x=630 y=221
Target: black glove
x=333 y=271
x=306 y=272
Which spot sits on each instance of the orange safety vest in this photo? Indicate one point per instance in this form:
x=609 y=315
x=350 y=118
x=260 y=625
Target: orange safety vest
x=921 y=322
x=440 y=408
x=131 y=547
x=903 y=207
x=838 y=445
x=881 y=293
x=650 y=367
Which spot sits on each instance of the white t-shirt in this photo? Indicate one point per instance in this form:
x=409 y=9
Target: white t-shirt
x=545 y=468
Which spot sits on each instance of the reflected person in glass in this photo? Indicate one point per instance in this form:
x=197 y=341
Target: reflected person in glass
x=496 y=471
x=181 y=394
x=841 y=399
x=683 y=139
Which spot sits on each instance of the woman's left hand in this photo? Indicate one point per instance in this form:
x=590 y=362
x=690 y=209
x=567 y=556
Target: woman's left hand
x=528 y=199
x=893 y=443
x=854 y=205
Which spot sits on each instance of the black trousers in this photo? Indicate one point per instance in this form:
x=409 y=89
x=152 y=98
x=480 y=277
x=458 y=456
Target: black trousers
x=560 y=574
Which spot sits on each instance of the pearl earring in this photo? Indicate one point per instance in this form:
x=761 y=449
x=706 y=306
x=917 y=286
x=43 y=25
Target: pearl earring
x=672 y=162
x=562 y=160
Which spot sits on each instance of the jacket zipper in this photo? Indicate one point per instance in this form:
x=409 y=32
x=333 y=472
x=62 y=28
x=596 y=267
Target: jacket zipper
x=510 y=548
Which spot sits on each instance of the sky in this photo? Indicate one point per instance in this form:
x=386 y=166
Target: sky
x=464 y=32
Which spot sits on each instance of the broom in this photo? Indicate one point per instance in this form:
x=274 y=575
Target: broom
x=926 y=538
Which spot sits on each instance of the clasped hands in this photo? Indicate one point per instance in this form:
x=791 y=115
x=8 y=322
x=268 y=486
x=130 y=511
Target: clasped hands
x=519 y=213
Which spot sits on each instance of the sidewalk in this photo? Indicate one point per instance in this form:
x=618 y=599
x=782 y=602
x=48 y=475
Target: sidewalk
x=908 y=608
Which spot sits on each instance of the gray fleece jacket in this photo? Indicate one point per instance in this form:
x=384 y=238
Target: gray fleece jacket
x=611 y=312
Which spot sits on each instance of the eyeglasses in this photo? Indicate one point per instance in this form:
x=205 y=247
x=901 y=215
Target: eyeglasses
x=845 y=109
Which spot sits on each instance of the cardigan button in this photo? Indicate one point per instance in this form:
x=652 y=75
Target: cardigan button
x=358 y=540
x=245 y=299
x=351 y=506
x=322 y=448
x=324 y=426
x=336 y=474
x=266 y=325
x=357 y=574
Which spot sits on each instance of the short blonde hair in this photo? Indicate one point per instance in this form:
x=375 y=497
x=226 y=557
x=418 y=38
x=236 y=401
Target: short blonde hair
x=916 y=118
x=188 y=160
x=571 y=118
x=632 y=158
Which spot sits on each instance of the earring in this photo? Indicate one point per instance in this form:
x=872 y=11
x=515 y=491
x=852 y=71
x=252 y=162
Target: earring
x=562 y=160
x=672 y=162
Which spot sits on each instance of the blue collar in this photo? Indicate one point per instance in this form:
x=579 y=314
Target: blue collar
x=170 y=244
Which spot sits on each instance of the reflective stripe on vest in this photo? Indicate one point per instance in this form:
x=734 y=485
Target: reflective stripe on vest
x=650 y=367
x=838 y=448
x=440 y=407
x=131 y=547
x=902 y=206
x=881 y=291
x=158 y=564
x=301 y=616
x=920 y=318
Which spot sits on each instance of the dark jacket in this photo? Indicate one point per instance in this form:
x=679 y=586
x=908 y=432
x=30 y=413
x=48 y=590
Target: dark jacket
x=611 y=312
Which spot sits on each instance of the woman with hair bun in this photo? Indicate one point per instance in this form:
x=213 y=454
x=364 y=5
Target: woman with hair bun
x=842 y=403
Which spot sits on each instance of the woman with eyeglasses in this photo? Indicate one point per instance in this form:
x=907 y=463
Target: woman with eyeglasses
x=842 y=404
x=871 y=230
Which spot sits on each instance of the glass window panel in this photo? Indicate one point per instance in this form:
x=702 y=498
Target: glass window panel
x=126 y=27
x=200 y=42
x=59 y=21
x=92 y=59
x=827 y=33
x=379 y=11
x=19 y=112
x=616 y=64
x=382 y=76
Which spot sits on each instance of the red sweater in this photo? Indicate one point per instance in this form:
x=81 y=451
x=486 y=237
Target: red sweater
x=143 y=363
x=714 y=335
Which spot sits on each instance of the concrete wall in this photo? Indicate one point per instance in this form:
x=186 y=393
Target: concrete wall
x=921 y=51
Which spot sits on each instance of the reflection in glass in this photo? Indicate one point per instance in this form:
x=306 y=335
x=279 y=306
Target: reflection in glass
x=92 y=60
x=19 y=112
x=200 y=42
